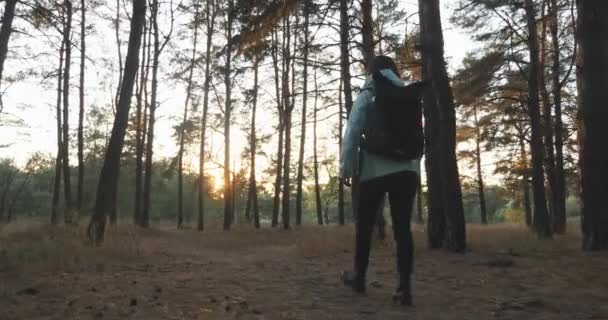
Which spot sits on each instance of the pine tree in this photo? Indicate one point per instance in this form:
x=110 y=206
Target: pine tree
x=5 y=34
x=210 y=14
x=80 y=193
x=594 y=45
x=67 y=178
x=305 y=49
x=228 y=192
x=59 y=157
x=108 y=183
x=182 y=133
x=434 y=63
x=541 y=221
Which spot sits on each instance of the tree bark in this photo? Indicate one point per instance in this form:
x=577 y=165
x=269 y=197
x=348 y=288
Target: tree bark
x=300 y=191
x=436 y=214
x=5 y=34
x=541 y=222
x=319 y=204
x=180 y=156
x=119 y=51
x=228 y=192
x=151 y=116
x=80 y=193
x=287 y=112
x=345 y=78
x=455 y=230
x=480 y=185
x=108 y=182
x=235 y=215
x=279 y=162
x=211 y=15
x=140 y=133
x=340 y=130
x=285 y=201
x=547 y=118
x=367 y=32
x=580 y=124
x=253 y=192
x=559 y=194
x=7 y=183
x=595 y=116
x=525 y=182
x=67 y=179
x=59 y=157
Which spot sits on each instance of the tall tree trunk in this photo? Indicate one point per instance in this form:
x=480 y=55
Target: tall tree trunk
x=367 y=51
x=345 y=78
x=287 y=111
x=285 y=201
x=595 y=116
x=525 y=181
x=180 y=156
x=252 y=201
x=436 y=214
x=140 y=133
x=542 y=225
x=319 y=204
x=435 y=62
x=6 y=188
x=326 y=213
x=58 y=159
x=480 y=185
x=278 y=179
x=580 y=124
x=67 y=184
x=108 y=181
x=367 y=31
x=300 y=191
x=228 y=192
x=119 y=51
x=279 y=162
x=5 y=34
x=340 y=129
x=547 y=117
x=559 y=194
x=211 y=15
x=235 y=215
x=80 y=192
x=151 y=117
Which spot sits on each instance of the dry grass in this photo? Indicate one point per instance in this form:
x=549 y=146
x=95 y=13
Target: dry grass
x=36 y=247
x=51 y=273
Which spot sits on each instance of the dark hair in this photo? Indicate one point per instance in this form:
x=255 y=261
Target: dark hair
x=381 y=63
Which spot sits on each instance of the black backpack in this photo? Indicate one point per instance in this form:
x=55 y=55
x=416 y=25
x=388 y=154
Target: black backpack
x=394 y=122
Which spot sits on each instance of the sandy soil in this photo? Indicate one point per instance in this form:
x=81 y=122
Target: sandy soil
x=48 y=273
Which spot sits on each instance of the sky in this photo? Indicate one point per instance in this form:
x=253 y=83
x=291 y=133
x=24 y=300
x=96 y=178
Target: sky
x=33 y=103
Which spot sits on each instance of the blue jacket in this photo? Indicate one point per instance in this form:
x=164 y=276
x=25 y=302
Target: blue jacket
x=371 y=165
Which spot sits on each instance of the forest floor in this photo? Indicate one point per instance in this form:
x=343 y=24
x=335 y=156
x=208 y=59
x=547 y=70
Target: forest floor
x=50 y=273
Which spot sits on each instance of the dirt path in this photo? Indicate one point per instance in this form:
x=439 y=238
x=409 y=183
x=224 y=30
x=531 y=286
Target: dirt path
x=294 y=275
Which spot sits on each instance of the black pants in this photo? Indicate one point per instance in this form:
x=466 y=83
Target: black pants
x=401 y=188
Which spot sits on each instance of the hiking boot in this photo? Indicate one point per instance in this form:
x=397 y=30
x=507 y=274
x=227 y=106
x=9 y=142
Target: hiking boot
x=402 y=297
x=353 y=280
